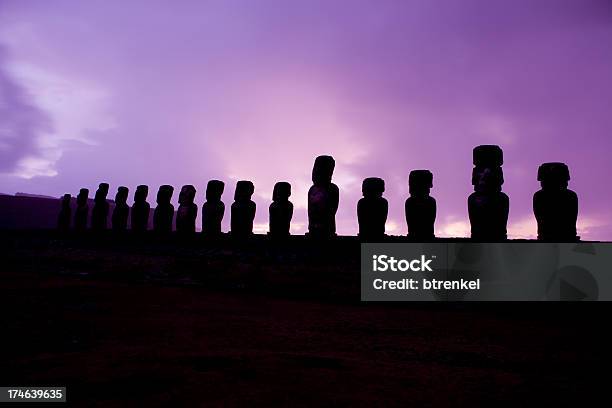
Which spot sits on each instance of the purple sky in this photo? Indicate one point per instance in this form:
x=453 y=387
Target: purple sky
x=159 y=92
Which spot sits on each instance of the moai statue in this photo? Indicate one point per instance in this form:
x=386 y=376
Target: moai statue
x=488 y=206
x=164 y=212
x=555 y=206
x=187 y=211
x=63 y=219
x=99 y=213
x=213 y=209
x=372 y=209
x=420 y=207
x=121 y=212
x=82 y=210
x=281 y=210
x=323 y=198
x=140 y=209
x=243 y=210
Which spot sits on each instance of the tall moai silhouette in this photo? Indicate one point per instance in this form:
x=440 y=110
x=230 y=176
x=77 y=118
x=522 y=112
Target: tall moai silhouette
x=420 y=207
x=281 y=210
x=488 y=206
x=119 y=219
x=213 y=209
x=164 y=212
x=323 y=199
x=99 y=213
x=243 y=210
x=555 y=206
x=140 y=209
x=63 y=219
x=372 y=209
x=187 y=211
x=82 y=211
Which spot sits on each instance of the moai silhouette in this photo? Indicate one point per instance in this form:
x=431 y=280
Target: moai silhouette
x=140 y=209
x=82 y=210
x=164 y=212
x=372 y=209
x=99 y=213
x=323 y=198
x=420 y=207
x=555 y=206
x=121 y=212
x=488 y=206
x=63 y=219
x=187 y=211
x=213 y=209
x=281 y=210
x=243 y=210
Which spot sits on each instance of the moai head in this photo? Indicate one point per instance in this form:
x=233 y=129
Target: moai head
x=187 y=194
x=373 y=187
x=66 y=200
x=164 y=194
x=487 y=175
x=244 y=190
x=420 y=182
x=488 y=156
x=214 y=190
x=142 y=191
x=282 y=191
x=487 y=179
x=323 y=170
x=82 y=197
x=102 y=192
x=122 y=195
x=553 y=176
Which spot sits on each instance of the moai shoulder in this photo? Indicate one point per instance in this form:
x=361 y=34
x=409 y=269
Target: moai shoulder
x=63 y=219
x=555 y=206
x=140 y=209
x=372 y=209
x=213 y=209
x=99 y=213
x=164 y=212
x=281 y=210
x=420 y=208
x=323 y=199
x=121 y=212
x=243 y=210
x=82 y=211
x=187 y=211
x=488 y=206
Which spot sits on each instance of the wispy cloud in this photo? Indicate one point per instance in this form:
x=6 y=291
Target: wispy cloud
x=21 y=124
x=76 y=108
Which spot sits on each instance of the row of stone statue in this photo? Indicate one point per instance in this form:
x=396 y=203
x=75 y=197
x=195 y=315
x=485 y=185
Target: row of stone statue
x=555 y=206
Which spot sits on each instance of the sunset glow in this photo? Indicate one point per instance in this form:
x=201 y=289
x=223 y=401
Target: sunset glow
x=156 y=92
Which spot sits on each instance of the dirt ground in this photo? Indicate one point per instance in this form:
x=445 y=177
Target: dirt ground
x=223 y=325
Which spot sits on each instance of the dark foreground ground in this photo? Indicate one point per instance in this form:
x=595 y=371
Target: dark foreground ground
x=127 y=322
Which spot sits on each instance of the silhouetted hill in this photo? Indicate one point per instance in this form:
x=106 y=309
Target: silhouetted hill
x=19 y=194
x=32 y=211
x=24 y=212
